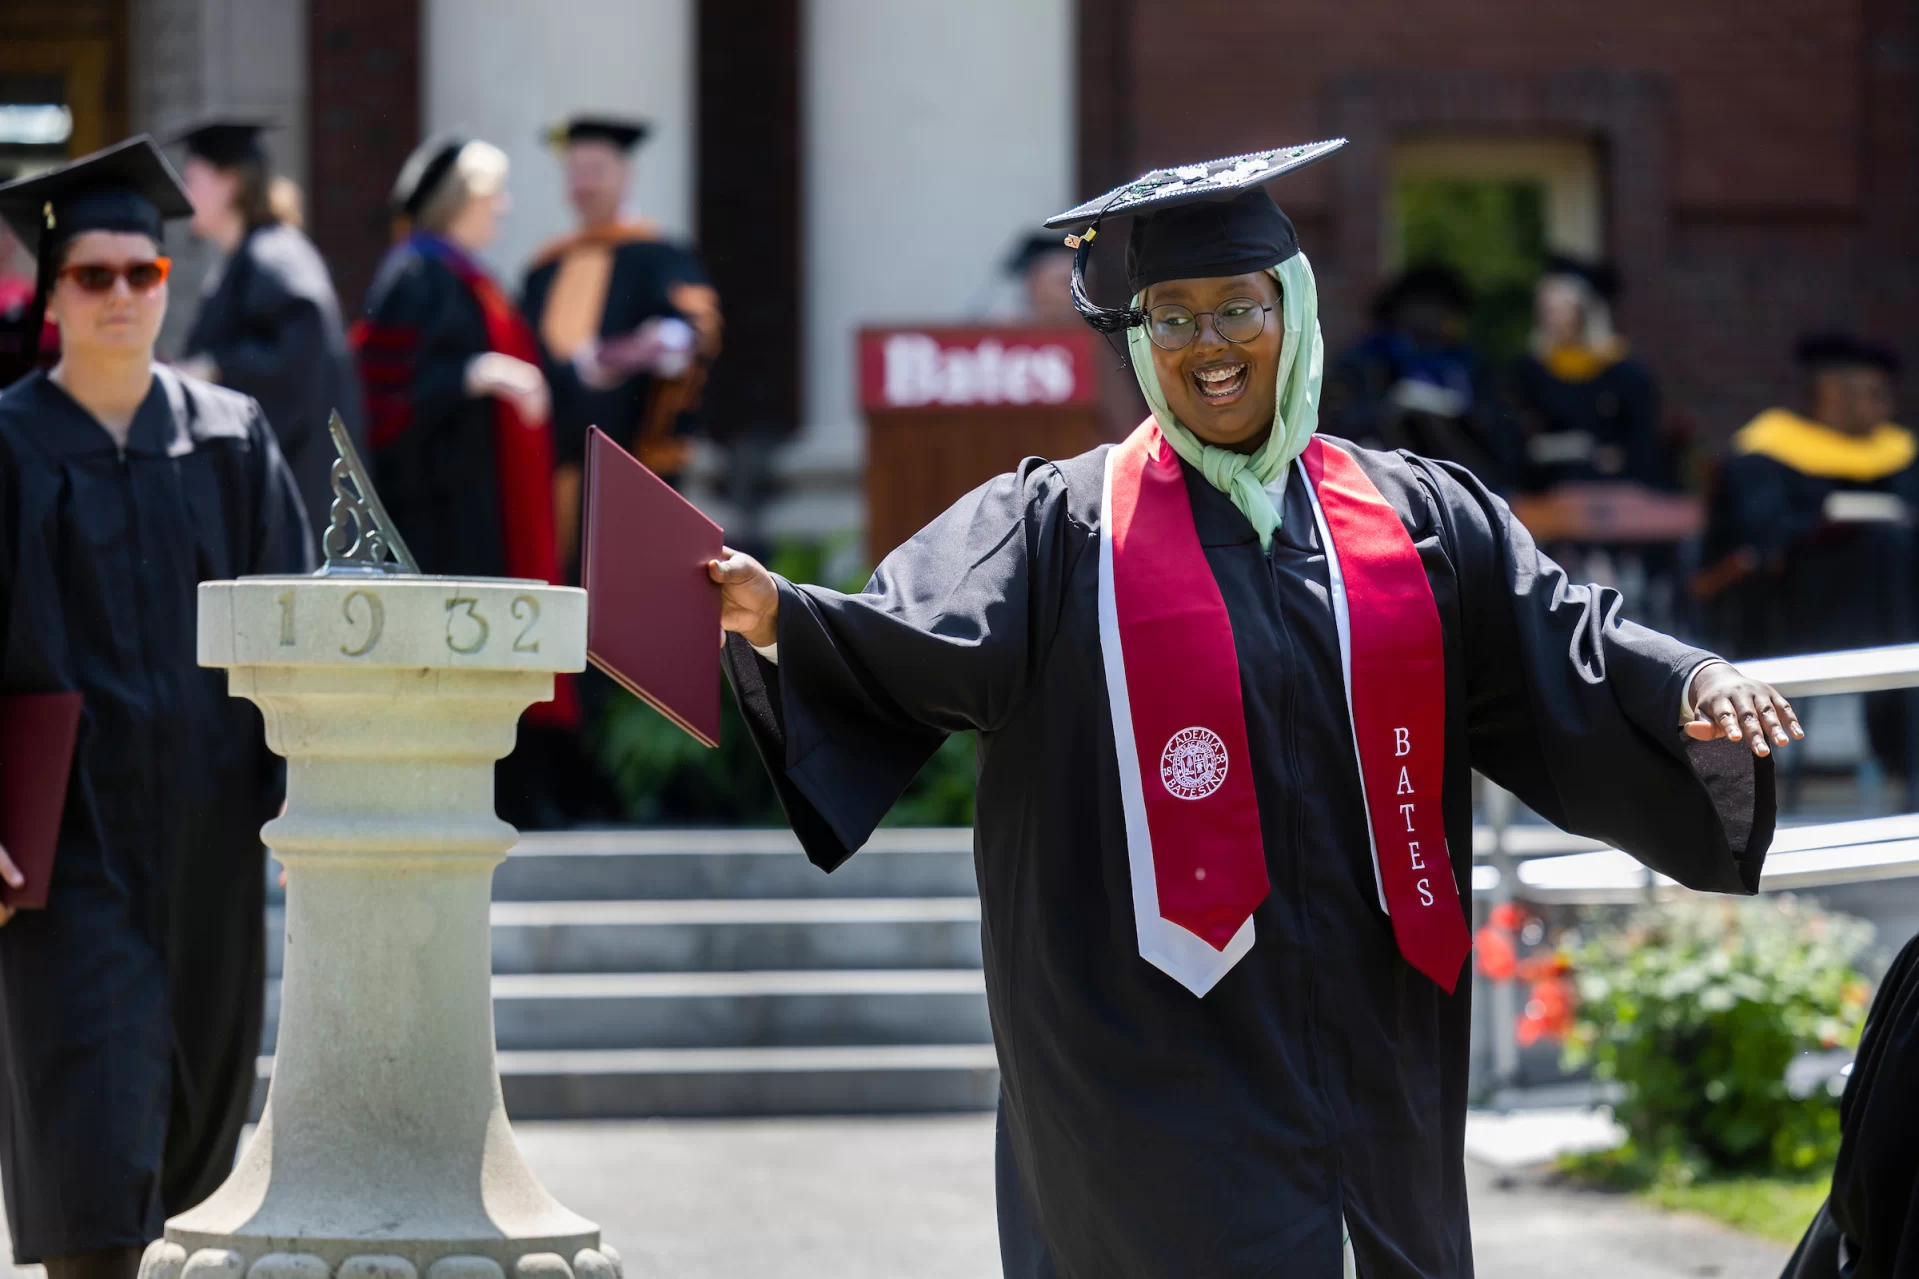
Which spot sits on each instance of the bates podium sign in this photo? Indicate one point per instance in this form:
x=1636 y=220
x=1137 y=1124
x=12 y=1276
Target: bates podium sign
x=949 y=408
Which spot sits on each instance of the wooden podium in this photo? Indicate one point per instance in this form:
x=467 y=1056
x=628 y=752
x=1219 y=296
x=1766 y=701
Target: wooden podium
x=949 y=408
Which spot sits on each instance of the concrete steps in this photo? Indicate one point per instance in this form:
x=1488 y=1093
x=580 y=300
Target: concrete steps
x=717 y=972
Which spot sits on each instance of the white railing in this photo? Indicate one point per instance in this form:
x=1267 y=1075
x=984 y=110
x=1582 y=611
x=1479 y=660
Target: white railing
x=1545 y=864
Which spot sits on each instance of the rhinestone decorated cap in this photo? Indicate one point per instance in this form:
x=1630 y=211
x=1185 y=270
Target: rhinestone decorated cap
x=1212 y=179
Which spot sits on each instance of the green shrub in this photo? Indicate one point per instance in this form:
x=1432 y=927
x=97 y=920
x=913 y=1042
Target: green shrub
x=1696 y=1007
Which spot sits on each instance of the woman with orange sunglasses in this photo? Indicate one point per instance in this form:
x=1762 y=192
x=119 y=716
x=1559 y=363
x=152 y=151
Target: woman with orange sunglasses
x=130 y=1002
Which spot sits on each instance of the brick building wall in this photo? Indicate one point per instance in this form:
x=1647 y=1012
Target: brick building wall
x=1759 y=154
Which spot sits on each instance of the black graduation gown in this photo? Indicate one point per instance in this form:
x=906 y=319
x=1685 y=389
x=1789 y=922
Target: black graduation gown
x=1153 y=1134
x=130 y=1007
x=1869 y=1228
x=1618 y=411
x=1819 y=585
x=438 y=476
x=645 y=276
x=271 y=321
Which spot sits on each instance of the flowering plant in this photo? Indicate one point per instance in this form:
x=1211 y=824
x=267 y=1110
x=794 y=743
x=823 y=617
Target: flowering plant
x=1698 y=1005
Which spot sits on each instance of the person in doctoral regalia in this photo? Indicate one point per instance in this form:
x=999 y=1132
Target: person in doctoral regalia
x=626 y=319
x=1585 y=407
x=269 y=322
x=1868 y=1227
x=1809 y=541
x=458 y=417
x=130 y=1006
x=1223 y=883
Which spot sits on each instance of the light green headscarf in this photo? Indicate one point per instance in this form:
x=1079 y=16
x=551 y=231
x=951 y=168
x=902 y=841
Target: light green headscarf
x=1243 y=477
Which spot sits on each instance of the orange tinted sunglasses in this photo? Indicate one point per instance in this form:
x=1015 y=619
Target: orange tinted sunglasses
x=98 y=277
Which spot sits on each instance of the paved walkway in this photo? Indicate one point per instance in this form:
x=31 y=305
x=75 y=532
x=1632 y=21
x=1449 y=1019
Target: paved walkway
x=913 y=1199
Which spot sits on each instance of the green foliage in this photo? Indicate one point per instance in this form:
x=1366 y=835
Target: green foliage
x=1696 y=1007
x=1765 y=1206
x=1494 y=234
x=664 y=776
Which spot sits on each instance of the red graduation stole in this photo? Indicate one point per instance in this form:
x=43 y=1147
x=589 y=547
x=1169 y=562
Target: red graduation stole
x=1193 y=838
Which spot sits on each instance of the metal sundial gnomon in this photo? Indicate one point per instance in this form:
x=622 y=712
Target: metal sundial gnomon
x=360 y=537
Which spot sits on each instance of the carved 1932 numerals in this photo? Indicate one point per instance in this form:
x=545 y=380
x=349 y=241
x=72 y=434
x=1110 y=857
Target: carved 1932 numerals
x=467 y=629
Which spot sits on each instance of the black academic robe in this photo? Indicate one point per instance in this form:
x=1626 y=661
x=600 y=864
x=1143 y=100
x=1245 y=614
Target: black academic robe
x=1609 y=424
x=271 y=321
x=1869 y=1228
x=1816 y=585
x=647 y=274
x=438 y=474
x=1152 y=1134
x=130 y=1007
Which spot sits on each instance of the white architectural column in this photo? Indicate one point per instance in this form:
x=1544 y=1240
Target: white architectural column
x=385 y=1152
x=935 y=134
x=504 y=69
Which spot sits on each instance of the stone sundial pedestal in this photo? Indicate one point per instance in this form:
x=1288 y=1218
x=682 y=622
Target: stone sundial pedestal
x=384 y=1151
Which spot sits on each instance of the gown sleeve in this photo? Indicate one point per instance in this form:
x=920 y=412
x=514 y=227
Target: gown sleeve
x=947 y=636
x=1576 y=710
x=413 y=350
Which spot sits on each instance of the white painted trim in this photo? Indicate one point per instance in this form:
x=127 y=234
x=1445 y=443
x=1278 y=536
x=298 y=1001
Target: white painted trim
x=1180 y=954
x=1342 y=619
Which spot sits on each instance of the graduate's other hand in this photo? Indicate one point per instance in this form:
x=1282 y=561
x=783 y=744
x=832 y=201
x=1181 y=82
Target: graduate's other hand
x=517 y=382
x=10 y=873
x=749 y=601
x=1740 y=709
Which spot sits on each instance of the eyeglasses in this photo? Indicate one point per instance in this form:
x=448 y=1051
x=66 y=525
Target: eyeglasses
x=98 y=277
x=1172 y=327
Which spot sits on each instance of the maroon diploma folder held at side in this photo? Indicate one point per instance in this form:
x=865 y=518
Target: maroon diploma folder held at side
x=652 y=613
x=37 y=733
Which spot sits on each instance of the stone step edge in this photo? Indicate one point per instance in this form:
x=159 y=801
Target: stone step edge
x=651 y=912
x=733 y=1061
x=760 y=983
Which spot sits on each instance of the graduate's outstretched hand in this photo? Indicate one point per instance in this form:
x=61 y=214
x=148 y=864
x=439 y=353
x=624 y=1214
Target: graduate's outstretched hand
x=1739 y=708
x=749 y=601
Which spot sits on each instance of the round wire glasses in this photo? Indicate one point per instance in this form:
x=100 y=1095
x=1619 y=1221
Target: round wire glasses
x=1173 y=327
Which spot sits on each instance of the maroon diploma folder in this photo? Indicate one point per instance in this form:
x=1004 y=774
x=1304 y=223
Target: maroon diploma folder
x=37 y=733
x=652 y=613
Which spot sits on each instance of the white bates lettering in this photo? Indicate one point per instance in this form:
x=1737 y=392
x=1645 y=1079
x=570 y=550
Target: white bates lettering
x=1406 y=811
x=1402 y=742
x=1425 y=892
x=1412 y=851
x=1405 y=780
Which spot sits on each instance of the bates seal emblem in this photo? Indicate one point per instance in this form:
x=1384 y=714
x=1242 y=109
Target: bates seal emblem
x=1193 y=765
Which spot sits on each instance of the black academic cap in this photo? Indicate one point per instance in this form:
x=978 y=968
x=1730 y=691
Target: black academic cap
x=1833 y=350
x=1193 y=221
x=1429 y=281
x=423 y=172
x=622 y=134
x=126 y=187
x=227 y=139
x=1600 y=277
x=1030 y=250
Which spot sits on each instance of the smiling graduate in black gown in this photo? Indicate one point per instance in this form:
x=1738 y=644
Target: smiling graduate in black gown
x=130 y=1006
x=1225 y=984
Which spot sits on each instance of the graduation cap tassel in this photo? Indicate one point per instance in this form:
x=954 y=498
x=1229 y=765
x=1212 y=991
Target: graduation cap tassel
x=1106 y=319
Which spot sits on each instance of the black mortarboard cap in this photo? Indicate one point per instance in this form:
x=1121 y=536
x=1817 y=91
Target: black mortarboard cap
x=620 y=133
x=1600 y=277
x=423 y=172
x=1835 y=350
x=227 y=139
x=1191 y=222
x=1032 y=249
x=126 y=187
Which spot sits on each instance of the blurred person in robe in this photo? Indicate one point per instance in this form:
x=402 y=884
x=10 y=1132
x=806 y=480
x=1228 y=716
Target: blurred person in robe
x=1810 y=541
x=458 y=416
x=17 y=303
x=1868 y=1227
x=269 y=322
x=1042 y=265
x=130 y=1006
x=1585 y=408
x=1415 y=382
x=626 y=319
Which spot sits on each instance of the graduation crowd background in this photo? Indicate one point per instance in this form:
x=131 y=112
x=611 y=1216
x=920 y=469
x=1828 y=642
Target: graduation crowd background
x=472 y=401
